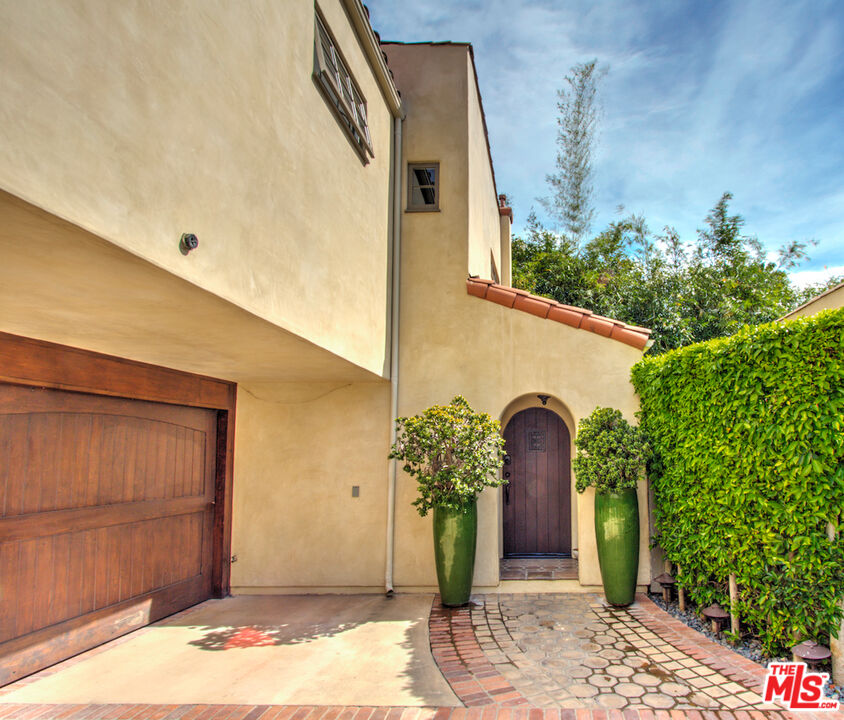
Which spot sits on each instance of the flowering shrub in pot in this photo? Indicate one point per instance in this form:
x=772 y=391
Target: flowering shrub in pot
x=453 y=453
x=611 y=456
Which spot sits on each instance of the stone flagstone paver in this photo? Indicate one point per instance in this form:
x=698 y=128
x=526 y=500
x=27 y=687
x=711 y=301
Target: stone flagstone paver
x=329 y=712
x=505 y=655
x=574 y=651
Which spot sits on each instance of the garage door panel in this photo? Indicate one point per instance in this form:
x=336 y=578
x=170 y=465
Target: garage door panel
x=52 y=579
x=9 y=562
x=112 y=509
x=60 y=602
x=105 y=502
x=27 y=654
x=46 y=572
x=74 y=460
x=27 y=574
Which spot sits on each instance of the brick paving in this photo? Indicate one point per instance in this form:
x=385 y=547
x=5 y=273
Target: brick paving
x=736 y=667
x=471 y=647
x=331 y=712
x=472 y=676
x=573 y=651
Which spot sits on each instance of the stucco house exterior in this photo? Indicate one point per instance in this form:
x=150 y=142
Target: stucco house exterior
x=182 y=422
x=827 y=300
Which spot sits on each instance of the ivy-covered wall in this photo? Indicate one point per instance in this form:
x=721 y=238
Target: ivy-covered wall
x=748 y=471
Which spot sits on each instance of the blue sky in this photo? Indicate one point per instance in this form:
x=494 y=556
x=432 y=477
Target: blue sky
x=701 y=97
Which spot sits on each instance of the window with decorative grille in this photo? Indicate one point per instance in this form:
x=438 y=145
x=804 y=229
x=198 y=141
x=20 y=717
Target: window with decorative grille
x=333 y=76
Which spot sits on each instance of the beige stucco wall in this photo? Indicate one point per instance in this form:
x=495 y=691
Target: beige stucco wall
x=300 y=445
x=452 y=343
x=831 y=299
x=63 y=284
x=309 y=424
x=505 y=225
x=300 y=449
x=484 y=227
x=141 y=121
x=132 y=123
x=493 y=355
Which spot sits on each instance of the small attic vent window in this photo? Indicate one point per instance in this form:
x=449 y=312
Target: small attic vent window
x=332 y=75
x=423 y=187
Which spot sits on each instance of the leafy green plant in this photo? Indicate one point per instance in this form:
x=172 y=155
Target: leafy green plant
x=685 y=289
x=611 y=453
x=452 y=451
x=748 y=471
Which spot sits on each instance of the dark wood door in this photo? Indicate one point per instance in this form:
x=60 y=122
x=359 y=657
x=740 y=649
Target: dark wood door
x=106 y=519
x=537 y=502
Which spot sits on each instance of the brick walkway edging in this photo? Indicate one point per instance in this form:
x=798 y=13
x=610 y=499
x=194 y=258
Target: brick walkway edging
x=482 y=688
x=311 y=712
x=488 y=695
x=717 y=657
x=459 y=656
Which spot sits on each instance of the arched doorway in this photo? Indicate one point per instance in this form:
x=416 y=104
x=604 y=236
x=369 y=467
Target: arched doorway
x=537 y=498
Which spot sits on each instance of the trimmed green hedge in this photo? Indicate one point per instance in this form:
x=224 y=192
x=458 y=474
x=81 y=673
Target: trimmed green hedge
x=748 y=471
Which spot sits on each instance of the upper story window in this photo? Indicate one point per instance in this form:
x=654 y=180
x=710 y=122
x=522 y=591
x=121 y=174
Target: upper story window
x=423 y=187
x=332 y=73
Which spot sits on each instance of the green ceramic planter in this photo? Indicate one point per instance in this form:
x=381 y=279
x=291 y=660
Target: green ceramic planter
x=455 y=536
x=617 y=534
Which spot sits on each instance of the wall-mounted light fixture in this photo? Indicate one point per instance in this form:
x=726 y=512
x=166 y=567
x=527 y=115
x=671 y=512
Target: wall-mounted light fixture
x=544 y=399
x=188 y=242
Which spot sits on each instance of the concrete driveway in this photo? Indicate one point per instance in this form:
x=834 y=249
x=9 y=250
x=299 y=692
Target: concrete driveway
x=363 y=650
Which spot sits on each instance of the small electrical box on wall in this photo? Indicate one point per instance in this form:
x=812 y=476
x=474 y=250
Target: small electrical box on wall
x=355 y=490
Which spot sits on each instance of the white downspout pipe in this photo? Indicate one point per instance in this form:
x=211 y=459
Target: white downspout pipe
x=394 y=350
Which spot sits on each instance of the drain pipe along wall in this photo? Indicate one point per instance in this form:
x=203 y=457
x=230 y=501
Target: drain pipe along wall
x=394 y=349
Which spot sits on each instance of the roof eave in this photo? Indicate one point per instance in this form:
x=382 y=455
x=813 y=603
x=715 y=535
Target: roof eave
x=471 y=52
x=813 y=300
x=545 y=308
x=372 y=48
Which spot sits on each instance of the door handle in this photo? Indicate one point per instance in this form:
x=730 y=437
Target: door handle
x=507 y=491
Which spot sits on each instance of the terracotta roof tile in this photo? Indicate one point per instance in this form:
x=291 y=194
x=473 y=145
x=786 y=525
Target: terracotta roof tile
x=565 y=315
x=532 y=306
x=477 y=289
x=501 y=295
x=598 y=324
x=542 y=307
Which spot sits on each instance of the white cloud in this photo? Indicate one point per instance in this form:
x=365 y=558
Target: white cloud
x=803 y=278
x=701 y=98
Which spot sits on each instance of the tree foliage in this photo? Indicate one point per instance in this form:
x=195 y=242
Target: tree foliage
x=611 y=453
x=571 y=201
x=684 y=292
x=748 y=472
x=452 y=451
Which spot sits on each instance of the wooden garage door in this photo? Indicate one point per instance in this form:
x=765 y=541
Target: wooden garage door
x=106 y=518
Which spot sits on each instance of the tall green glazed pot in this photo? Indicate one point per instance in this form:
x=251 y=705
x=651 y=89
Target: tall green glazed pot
x=455 y=537
x=617 y=535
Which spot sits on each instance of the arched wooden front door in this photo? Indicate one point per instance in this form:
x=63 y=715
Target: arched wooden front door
x=537 y=500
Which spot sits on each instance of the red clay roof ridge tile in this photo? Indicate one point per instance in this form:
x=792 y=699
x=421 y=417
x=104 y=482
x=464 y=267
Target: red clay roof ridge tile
x=542 y=307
